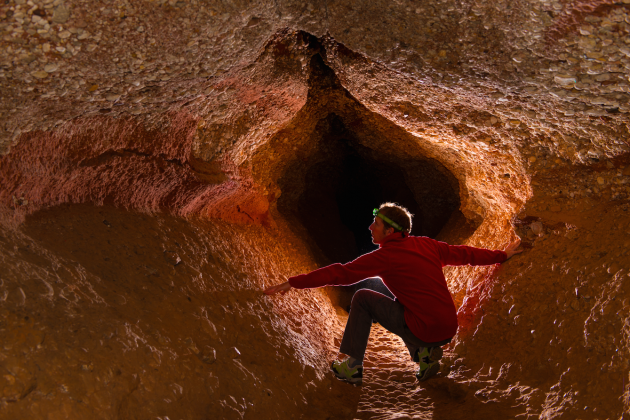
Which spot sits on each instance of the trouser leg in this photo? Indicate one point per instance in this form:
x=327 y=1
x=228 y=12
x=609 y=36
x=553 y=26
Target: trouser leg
x=392 y=318
x=375 y=284
x=368 y=306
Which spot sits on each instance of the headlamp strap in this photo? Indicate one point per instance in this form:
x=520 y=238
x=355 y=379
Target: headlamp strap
x=393 y=224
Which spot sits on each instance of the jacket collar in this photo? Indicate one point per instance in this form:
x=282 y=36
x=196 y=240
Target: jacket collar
x=394 y=237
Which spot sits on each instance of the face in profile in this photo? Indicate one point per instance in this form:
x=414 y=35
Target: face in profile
x=378 y=230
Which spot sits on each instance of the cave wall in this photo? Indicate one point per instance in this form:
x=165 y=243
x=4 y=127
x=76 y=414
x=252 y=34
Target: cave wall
x=204 y=116
x=114 y=314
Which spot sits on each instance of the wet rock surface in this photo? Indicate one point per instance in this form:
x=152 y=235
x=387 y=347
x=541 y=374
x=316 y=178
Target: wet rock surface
x=163 y=161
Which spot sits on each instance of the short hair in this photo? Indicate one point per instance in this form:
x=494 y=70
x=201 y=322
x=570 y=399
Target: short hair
x=397 y=214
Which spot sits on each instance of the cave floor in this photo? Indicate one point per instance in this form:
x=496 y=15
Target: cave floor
x=391 y=391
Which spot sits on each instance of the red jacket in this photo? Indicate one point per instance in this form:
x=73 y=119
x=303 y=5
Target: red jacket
x=411 y=267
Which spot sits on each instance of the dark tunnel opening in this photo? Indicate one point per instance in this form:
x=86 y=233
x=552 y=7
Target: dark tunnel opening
x=355 y=184
x=348 y=163
x=345 y=181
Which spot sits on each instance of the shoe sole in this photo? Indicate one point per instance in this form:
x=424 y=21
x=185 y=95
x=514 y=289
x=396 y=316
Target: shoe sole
x=431 y=371
x=350 y=381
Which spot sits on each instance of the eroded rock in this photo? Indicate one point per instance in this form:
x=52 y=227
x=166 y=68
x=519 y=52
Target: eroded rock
x=501 y=119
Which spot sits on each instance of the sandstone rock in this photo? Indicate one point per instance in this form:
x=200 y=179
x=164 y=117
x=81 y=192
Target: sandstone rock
x=27 y=58
x=614 y=268
x=537 y=228
x=234 y=353
x=208 y=356
x=210 y=329
x=172 y=258
x=191 y=345
x=564 y=85
x=51 y=68
x=565 y=79
x=603 y=77
x=40 y=74
x=61 y=14
x=575 y=305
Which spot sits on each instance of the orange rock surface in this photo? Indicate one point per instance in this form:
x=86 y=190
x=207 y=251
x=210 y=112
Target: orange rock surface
x=163 y=162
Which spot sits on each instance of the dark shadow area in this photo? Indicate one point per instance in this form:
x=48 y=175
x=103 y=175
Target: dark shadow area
x=348 y=162
x=340 y=193
x=344 y=181
x=353 y=161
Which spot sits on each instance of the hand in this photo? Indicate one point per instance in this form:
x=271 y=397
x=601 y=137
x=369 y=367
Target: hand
x=281 y=288
x=512 y=248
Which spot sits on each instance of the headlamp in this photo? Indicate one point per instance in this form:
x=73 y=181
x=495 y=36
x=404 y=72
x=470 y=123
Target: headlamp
x=387 y=220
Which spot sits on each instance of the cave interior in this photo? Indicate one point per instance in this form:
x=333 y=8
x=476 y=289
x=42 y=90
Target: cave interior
x=161 y=166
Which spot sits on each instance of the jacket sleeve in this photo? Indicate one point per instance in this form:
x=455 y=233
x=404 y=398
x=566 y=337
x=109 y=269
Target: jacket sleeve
x=368 y=265
x=468 y=255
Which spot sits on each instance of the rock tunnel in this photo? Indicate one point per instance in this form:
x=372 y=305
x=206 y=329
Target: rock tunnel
x=162 y=164
x=350 y=172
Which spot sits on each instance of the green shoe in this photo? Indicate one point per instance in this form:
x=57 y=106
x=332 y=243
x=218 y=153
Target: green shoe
x=429 y=362
x=346 y=373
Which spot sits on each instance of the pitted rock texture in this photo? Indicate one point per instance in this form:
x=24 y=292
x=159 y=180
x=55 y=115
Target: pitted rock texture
x=112 y=314
x=244 y=131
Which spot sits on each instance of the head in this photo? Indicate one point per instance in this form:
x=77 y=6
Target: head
x=398 y=214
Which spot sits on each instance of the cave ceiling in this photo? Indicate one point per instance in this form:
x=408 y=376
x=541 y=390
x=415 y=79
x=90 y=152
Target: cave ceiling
x=496 y=92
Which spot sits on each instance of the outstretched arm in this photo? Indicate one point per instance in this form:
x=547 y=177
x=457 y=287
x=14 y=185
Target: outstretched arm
x=281 y=288
x=512 y=248
x=368 y=265
x=463 y=255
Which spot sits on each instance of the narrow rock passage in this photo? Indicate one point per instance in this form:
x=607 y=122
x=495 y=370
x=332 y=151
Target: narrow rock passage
x=390 y=389
x=111 y=314
x=162 y=162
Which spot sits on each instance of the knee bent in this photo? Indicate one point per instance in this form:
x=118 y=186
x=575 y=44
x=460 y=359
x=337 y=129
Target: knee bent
x=364 y=295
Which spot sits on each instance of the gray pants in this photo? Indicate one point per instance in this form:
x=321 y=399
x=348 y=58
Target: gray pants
x=367 y=306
